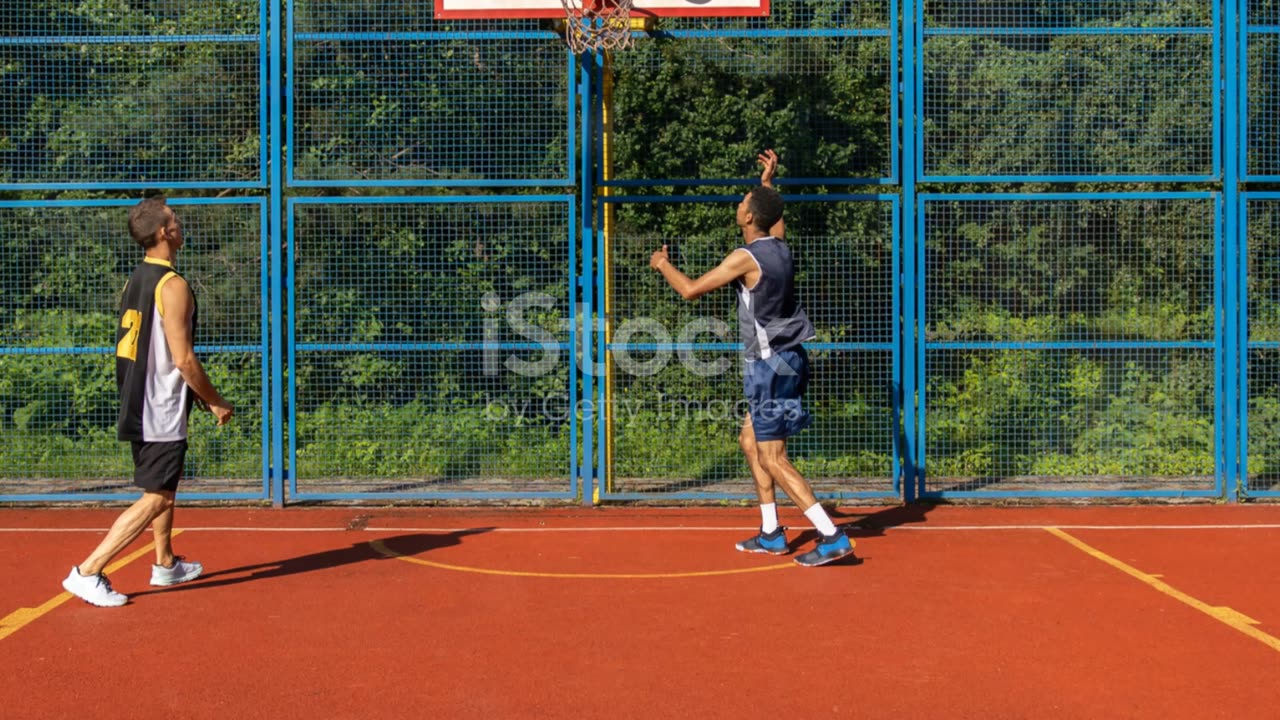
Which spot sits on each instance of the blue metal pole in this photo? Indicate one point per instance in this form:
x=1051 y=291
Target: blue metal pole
x=1230 y=311
x=276 y=416
x=909 y=350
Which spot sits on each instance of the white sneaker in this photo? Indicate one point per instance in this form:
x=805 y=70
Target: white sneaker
x=93 y=589
x=182 y=571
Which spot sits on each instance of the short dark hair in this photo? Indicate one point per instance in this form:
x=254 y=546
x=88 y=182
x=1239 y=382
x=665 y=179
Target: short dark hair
x=765 y=205
x=146 y=218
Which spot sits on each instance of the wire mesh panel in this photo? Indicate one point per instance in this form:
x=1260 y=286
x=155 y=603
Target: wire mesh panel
x=431 y=348
x=1263 y=369
x=1071 y=344
x=1069 y=89
x=1262 y=40
x=388 y=95
x=672 y=389
x=62 y=268
x=156 y=93
x=696 y=99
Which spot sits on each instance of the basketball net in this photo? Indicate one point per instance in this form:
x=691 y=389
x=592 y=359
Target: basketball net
x=593 y=25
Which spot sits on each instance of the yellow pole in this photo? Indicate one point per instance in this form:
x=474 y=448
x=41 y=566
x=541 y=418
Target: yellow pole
x=606 y=136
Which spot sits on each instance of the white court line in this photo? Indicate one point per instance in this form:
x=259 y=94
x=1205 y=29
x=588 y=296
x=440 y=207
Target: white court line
x=668 y=528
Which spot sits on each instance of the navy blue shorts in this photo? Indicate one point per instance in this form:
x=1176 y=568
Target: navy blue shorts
x=774 y=388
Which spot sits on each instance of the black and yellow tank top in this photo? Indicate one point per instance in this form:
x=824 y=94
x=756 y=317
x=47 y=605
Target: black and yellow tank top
x=154 y=399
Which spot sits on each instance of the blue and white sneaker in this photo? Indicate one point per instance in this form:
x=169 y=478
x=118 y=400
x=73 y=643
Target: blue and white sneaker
x=774 y=543
x=829 y=549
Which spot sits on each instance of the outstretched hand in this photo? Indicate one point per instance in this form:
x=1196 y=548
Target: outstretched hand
x=658 y=257
x=769 y=162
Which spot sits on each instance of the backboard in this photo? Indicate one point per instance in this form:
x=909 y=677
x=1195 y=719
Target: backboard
x=512 y=9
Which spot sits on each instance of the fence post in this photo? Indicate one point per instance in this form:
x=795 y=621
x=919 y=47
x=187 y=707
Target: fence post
x=910 y=388
x=1234 y=298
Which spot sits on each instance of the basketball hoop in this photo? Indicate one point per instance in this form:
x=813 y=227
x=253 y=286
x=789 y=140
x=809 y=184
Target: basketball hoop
x=594 y=25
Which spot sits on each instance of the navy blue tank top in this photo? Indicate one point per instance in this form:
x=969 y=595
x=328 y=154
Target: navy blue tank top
x=770 y=316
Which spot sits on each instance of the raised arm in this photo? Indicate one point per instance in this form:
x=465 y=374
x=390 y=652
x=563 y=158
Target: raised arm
x=769 y=162
x=736 y=265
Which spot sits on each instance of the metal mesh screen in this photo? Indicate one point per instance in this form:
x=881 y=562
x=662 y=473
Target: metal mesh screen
x=62 y=271
x=1059 y=420
x=1047 y=14
x=1262 y=39
x=814 y=81
x=152 y=93
x=1071 y=343
x=1263 y=437
x=1042 y=270
x=797 y=15
x=674 y=390
x=1069 y=90
x=389 y=16
x=395 y=99
x=433 y=347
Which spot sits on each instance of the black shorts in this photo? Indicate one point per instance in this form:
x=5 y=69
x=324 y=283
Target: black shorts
x=158 y=465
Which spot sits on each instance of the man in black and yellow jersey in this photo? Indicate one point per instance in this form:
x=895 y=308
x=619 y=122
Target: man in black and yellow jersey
x=159 y=378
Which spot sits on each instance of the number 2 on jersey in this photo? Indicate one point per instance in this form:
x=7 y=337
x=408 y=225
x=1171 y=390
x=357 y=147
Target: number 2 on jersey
x=128 y=345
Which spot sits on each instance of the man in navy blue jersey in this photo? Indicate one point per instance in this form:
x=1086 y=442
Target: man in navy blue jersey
x=774 y=327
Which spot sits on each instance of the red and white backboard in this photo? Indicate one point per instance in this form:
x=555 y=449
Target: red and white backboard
x=511 y=9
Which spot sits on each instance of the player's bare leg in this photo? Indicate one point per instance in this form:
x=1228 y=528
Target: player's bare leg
x=772 y=538
x=87 y=580
x=763 y=480
x=127 y=527
x=773 y=456
x=170 y=569
x=162 y=532
x=833 y=544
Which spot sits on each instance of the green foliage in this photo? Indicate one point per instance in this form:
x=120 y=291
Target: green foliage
x=822 y=103
x=1056 y=413
x=462 y=108
x=133 y=109
x=427 y=441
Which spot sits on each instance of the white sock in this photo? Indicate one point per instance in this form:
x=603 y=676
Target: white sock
x=768 y=517
x=818 y=516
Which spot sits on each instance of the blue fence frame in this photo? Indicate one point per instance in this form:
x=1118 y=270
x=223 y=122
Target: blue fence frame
x=1241 y=49
x=1224 y=375
x=921 y=32
x=890 y=33
x=265 y=56
x=491 y=36
x=1246 y=346
x=1242 y=121
x=603 y=348
x=293 y=347
x=262 y=349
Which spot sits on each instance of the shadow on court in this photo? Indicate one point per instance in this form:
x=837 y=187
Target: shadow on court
x=869 y=524
x=859 y=524
x=408 y=545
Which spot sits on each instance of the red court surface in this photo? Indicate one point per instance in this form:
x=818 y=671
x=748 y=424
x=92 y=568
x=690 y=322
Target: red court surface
x=949 y=612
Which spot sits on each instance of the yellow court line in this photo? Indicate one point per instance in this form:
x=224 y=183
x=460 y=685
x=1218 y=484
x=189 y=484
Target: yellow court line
x=382 y=549
x=20 y=618
x=1225 y=615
